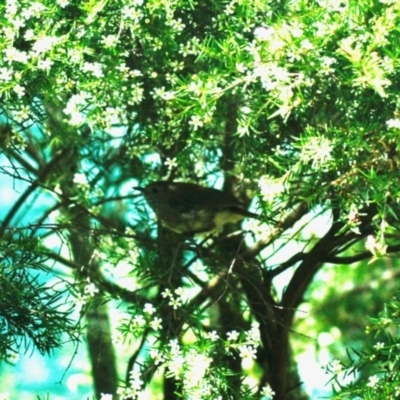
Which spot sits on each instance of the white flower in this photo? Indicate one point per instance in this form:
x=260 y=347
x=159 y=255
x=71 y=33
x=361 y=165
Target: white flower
x=229 y=8
x=134 y=380
x=370 y=243
x=372 y=381
x=259 y=228
x=136 y=94
x=379 y=346
x=306 y=45
x=95 y=68
x=34 y=10
x=110 y=40
x=331 y=5
x=19 y=90
x=196 y=122
x=328 y=61
x=74 y=55
x=132 y=13
x=213 y=336
x=5 y=74
x=195 y=87
x=44 y=44
x=393 y=123
x=45 y=64
x=374 y=246
x=156 y=324
x=179 y=291
x=337 y=366
x=149 y=309
x=171 y=163
x=241 y=68
x=175 y=348
x=267 y=391
x=22 y=114
x=242 y=130
x=233 y=336
x=91 y=289
x=318 y=150
x=247 y=352
x=9 y=33
x=73 y=108
x=139 y=320
x=253 y=335
x=261 y=33
x=166 y=293
x=157 y=356
x=106 y=396
x=198 y=365
x=18 y=22
x=175 y=303
x=80 y=179
x=4 y=396
x=175 y=366
x=11 y=7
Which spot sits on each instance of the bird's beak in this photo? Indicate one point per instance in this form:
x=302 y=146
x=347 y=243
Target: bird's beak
x=138 y=188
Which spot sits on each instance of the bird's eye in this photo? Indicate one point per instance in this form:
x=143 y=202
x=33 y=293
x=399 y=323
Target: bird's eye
x=154 y=190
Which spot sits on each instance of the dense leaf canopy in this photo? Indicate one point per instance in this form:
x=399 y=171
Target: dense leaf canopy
x=292 y=106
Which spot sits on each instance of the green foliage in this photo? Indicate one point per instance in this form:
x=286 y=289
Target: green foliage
x=292 y=103
x=382 y=358
x=31 y=312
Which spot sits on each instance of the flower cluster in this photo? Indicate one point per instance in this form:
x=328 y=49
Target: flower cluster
x=270 y=188
x=318 y=150
x=138 y=323
x=89 y=291
x=382 y=358
x=376 y=247
x=175 y=300
x=133 y=391
x=190 y=364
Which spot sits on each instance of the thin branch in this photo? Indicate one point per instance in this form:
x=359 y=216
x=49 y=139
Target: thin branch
x=360 y=257
x=301 y=210
x=19 y=203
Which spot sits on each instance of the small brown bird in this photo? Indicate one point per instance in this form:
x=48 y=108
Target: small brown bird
x=189 y=208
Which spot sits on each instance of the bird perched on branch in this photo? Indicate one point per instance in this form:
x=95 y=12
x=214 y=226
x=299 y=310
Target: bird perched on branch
x=189 y=208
